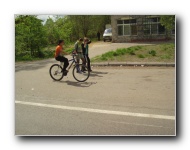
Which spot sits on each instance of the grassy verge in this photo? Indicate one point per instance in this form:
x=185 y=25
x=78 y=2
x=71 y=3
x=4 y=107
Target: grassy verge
x=148 y=53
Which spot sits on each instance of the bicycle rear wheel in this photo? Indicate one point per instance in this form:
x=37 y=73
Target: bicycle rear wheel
x=79 y=74
x=55 y=72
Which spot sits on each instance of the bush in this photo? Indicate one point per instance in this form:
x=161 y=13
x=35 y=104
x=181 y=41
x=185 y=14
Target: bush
x=152 y=52
x=141 y=56
x=24 y=58
x=41 y=54
x=104 y=58
x=69 y=50
x=132 y=52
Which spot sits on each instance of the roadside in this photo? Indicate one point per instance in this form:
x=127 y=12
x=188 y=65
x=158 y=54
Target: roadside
x=133 y=54
x=100 y=47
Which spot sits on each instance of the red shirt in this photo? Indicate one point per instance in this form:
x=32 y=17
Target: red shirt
x=58 y=50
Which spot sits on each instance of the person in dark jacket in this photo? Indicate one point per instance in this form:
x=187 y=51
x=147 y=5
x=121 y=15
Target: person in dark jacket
x=98 y=35
x=85 y=48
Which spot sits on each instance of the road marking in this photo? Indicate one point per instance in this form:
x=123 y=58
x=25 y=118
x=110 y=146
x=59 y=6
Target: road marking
x=137 y=124
x=98 y=110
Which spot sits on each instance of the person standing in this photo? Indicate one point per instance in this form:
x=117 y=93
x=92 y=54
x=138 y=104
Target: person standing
x=98 y=35
x=59 y=55
x=78 y=50
x=85 y=48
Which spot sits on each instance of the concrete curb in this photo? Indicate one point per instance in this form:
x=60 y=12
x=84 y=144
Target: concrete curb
x=142 y=64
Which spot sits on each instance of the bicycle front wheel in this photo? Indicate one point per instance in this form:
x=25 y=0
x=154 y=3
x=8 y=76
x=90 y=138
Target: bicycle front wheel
x=55 y=72
x=81 y=73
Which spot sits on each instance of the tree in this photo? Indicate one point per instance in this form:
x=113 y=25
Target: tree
x=88 y=25
x=51 y=31
x=168 y=21
x=29 y=35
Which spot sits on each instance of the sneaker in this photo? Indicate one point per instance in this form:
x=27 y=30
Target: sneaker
x=83 y=70
x=79 y=71
x=65 y=72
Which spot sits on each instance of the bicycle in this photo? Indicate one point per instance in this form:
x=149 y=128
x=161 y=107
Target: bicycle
x=80 y=72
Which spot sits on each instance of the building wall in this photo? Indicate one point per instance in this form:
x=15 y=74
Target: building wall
x=133 y=38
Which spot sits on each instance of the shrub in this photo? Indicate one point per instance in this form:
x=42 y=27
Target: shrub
x=104 y=58
x=69 y=50
x=115 y=54
x=132 y=52
x=152 y=52
x=141 y=56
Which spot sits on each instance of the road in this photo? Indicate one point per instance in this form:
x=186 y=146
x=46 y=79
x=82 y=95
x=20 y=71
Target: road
x=113 y=101
x=100 y=47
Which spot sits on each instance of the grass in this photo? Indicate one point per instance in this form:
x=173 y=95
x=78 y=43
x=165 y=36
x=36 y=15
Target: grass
x=149 y=53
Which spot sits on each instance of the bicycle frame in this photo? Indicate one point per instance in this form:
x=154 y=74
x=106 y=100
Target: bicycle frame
x=73 y=61
x=79 y=70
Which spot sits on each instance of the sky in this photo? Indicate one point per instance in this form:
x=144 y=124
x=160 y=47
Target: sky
x=45 y=17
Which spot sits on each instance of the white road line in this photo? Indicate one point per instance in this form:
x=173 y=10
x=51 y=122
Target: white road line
x=98 y=110
x=136 y=124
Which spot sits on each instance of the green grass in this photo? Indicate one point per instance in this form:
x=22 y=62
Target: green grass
x=153 y=53
x=141 y=56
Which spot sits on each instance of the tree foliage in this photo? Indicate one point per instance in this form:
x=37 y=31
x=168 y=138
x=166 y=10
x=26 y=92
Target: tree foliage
x=168 y=21
x=31 y=35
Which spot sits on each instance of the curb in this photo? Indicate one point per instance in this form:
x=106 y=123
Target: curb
x=142 y=64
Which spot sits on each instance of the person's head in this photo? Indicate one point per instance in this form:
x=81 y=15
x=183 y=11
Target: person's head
x=60 y=42
x=80 y=40
x=85 y=39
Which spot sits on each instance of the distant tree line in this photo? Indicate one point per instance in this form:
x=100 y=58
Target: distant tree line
x=31 y=35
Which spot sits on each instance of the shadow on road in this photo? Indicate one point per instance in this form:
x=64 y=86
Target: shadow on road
x=27 y=66
x=78 y=84
x=97 y=74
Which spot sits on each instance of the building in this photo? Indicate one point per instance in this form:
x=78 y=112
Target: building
x=139 y=28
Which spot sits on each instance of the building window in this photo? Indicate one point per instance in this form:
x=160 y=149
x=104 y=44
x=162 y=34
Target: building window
x=154 y=29
x=161 y=29
x=133 y=29
x=152 y=26
x=147 y=30
x=127 y=30
x=120 y=30
x=127 y=27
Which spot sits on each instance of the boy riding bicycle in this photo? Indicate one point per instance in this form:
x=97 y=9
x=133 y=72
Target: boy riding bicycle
x=59 y=56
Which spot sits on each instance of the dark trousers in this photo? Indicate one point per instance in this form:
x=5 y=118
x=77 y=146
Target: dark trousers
x=88 y=61
x=63 y=59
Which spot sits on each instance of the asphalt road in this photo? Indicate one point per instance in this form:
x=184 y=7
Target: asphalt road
x=101 y=47
x=113 y=101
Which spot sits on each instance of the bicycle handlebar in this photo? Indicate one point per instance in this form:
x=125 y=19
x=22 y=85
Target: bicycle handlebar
x=74 y=54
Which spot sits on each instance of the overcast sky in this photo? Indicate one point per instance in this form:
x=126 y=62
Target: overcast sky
x=45 y=17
